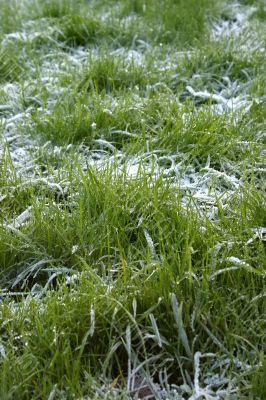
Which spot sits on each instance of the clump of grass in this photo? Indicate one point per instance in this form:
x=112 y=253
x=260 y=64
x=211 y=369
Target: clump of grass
x=112 y=74
x=87 y=117
x=57 y=9
x=201 y=135
x=213 y=68
x=133 y=244
x=258 y=382
x=78 y=30
x=70 y=120
x=134 y=229
x=185 y=22
x=11 y=67
x=173 y=21
x=10 y=16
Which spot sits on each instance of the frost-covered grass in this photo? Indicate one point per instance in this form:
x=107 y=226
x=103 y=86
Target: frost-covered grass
x=132 y=198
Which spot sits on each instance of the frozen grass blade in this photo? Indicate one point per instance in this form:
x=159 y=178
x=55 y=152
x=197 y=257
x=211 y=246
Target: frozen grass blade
x=21 y=219
x=177 y=310
x=155 y=329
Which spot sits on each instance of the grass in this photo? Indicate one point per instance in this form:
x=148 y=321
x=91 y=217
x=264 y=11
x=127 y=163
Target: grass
x=132 y=198
x=11 y=67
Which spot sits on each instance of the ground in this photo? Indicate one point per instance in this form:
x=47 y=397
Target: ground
x=132 y=199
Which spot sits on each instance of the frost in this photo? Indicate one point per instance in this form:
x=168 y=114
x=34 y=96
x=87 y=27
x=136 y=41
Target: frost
x=2 y=351
x=74 y=249
x=21 y=219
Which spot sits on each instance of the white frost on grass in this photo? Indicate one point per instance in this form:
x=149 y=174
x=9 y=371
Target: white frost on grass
x=27 y=36
x=203 y=186
x=2 y=351
x=236 y=23
x=21 y=219
x=259 y=233
x=224 y=104
x=55 y=64
x=238 y=31
x=130 y=56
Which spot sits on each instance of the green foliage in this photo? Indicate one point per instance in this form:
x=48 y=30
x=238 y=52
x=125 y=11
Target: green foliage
x=11 y=67
x=132 y=199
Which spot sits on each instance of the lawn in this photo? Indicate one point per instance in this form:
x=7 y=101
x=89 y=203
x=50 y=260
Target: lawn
x=132 y=199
